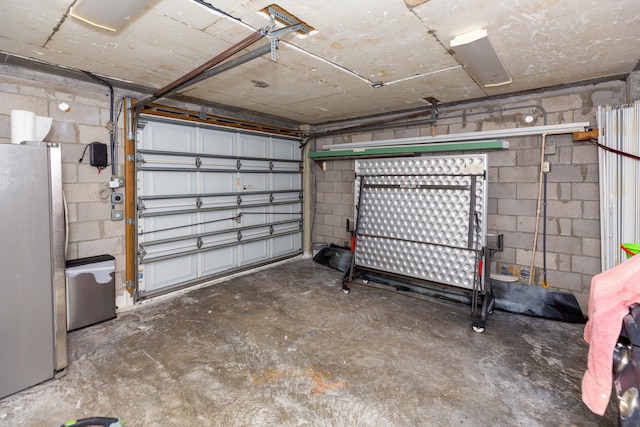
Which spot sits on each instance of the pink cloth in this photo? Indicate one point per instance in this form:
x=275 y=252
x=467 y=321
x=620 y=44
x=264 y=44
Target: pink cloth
x=612 y=293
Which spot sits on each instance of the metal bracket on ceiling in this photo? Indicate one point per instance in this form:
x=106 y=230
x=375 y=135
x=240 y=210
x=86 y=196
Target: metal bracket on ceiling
x=282 y=16
x=434 y=106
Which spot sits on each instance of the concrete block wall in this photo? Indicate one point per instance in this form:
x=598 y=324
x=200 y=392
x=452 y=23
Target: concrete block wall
x=573 y=230
x=91 y=231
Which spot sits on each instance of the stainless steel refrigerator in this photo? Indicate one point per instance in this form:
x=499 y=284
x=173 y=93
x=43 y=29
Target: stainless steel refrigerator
x=33 y=335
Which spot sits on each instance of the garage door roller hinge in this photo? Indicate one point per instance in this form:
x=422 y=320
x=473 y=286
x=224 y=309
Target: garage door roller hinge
x=141 y=252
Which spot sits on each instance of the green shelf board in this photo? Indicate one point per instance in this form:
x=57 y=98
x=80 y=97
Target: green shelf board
x=435 y=147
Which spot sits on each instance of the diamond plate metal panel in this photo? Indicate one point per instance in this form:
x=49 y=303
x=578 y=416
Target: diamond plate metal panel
x=422 y=217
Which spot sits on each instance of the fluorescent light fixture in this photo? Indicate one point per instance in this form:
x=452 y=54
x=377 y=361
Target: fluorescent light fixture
x=109 y=15
x=474 y=51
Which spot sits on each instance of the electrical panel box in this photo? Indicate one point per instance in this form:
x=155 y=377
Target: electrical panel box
x=98 y=154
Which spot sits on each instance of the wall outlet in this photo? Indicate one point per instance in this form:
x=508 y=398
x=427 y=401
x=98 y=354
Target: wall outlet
x=546 y=167
x=550 y=147
x=116 y=198
x=116 y=215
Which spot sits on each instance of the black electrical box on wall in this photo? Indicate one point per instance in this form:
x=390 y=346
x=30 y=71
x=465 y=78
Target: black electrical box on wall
x=98 y=154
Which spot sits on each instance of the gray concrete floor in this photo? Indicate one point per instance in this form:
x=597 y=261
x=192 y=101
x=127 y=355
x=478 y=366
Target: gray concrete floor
x=285 y=347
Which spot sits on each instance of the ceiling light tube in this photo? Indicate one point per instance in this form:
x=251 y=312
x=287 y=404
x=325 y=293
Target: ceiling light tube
x=476 y=54
x=110 y=15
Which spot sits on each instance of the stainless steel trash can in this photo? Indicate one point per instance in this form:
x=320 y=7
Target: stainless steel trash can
x=90 y=291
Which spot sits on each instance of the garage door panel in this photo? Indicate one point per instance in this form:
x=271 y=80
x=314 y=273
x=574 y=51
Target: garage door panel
x=253 y=145
x=291 y=207
x=168 y=183
x=158 y=275
x=252 y=233
x=154 y=249
x=254 y=216
x=218 y=142
x=168 y=137
x=167 y=227
x=218 y=182
x=213 y=204
x=255 y=182
x=219 y=260
x=283 y=149
x=286 y=244
x=286 y=182
x=254 y=252
x=224 y=219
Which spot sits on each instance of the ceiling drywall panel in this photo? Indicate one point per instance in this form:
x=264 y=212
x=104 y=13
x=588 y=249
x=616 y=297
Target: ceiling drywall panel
x=153 y=57
x=542 y=43
x=29 y=23
x=262 y=81
x=378 y=40
x=329 y=75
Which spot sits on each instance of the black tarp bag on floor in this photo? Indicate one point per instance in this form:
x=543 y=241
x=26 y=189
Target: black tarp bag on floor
x=334 y=256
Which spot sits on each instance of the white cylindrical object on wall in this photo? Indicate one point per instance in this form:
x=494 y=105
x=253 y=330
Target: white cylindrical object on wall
x=26 y=126
x=23 y=125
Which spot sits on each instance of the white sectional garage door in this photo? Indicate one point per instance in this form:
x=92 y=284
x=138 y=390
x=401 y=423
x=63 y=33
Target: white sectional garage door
x=212 y=202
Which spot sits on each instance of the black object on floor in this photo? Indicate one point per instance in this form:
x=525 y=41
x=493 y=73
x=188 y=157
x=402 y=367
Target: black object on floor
x=537 y=301
x=94 y=421
x=334 y=256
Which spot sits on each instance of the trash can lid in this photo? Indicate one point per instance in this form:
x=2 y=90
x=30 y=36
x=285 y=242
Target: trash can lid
x=88 y=260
